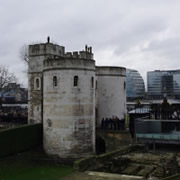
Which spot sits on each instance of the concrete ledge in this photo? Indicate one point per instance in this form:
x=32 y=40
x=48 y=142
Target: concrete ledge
x=113 y=176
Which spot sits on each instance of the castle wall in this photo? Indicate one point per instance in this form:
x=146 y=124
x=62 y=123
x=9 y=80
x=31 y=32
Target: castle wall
x=35 y=93
x=37 y=54
x=111 y=92
x=69 y=111
x=71 y=96
x=35 y=99
x=46 y=49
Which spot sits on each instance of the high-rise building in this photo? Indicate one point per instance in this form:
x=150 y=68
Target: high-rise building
x=163 y=83
x=135 y=85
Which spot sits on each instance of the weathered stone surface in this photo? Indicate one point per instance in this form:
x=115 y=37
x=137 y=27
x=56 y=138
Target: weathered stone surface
x=132 y=169
x=111 y=92
x=35 y=99
x=133 y=161
x=114 y=139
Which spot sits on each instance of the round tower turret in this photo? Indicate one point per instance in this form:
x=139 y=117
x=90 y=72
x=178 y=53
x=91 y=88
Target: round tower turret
x=69 y=106
x=111 y=92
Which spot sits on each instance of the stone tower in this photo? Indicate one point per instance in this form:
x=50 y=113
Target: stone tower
x=62 y=95
x=67 y=93
x=69 y=101
x=111 y=92
x=37 y=54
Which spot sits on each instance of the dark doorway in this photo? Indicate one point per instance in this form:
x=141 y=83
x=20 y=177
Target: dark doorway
x=100 y=145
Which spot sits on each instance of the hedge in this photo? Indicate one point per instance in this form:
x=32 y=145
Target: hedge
x=19 y=139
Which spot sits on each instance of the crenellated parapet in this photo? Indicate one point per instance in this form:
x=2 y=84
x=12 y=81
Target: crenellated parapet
x=76 y=60
x=46 y=49
x=84 y=54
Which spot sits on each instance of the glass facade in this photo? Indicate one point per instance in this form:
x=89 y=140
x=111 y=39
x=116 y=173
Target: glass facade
x=163 y=83
x=135 y=84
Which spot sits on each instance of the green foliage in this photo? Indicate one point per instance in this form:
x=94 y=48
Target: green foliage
x=19 y=139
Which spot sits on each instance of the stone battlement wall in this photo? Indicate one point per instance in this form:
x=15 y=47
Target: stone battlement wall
x=79 y=55
x=59 y=51
x=46 y=49
x=68 y=63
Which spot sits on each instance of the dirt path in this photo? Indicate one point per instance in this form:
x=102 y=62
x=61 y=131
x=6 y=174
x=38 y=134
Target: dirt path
x=99 y=176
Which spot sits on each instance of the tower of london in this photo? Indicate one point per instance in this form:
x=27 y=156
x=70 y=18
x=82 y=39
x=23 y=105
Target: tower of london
x=70 y=95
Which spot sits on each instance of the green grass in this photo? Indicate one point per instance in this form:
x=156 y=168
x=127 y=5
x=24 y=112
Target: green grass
x=19 y=169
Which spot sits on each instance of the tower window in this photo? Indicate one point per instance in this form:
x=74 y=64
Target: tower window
x=37 y=83
x=75 y=81
x=92 y=82
x=124 y=85
x=55 y=81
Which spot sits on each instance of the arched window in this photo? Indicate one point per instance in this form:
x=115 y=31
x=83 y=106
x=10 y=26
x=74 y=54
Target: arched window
x=124 y=85
x=92 y=82
x=96 y=85
x=37 y=83
x=55 y=81
x=75 y=81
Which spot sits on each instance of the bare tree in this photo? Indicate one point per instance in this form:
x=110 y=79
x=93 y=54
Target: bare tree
x=24 y=57
x=5 y=79
x=23 y=54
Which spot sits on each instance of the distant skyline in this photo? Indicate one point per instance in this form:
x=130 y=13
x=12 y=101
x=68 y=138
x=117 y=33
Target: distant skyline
x=140 y=35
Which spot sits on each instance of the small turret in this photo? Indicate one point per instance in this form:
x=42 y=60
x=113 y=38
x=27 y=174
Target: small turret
x=48 y=39
x=90 y=48
x=86 y=47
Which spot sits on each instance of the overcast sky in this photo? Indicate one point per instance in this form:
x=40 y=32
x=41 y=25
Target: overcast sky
x=138 y=34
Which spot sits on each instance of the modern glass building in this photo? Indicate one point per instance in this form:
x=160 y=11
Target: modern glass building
x=163 y=83
x=134 y=85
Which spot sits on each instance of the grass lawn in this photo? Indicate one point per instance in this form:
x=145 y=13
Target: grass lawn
x=29 y=170
x=28 y=167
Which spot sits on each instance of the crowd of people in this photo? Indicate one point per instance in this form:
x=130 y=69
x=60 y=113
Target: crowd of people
x=113 y=123
x=13 y=114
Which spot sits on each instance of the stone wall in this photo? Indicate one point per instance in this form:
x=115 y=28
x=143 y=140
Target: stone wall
x=114 y=139
x=133 y=160
x=97 y=163
x=35 y=99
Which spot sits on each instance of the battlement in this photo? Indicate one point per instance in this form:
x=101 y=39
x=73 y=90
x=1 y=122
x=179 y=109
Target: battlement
x=54 y=51
x=46 y=49
x=82 y=59
x=68 y=63
x=84 y=54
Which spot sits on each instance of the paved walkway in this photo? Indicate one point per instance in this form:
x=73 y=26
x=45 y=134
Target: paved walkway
x=99 y=176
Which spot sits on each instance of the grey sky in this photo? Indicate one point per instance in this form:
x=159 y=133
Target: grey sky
x=137 y=34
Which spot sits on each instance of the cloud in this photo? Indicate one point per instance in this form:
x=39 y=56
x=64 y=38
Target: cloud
x=142 y=35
